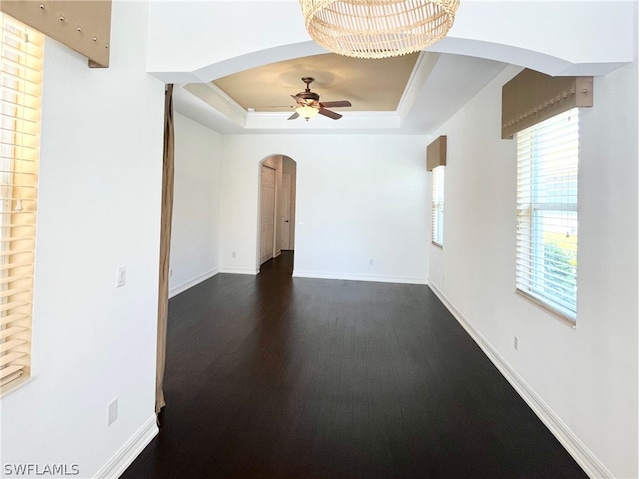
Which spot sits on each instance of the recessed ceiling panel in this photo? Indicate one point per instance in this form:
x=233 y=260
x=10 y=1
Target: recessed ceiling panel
x=370 y=85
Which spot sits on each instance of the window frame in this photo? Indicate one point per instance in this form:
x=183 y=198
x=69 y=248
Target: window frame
x=547 y=205
x=21 y=65
x=437 y=206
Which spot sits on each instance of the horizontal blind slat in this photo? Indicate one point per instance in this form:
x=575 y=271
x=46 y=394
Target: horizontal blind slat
x=9 y=266
x=10 y=373
x=11 y=344
x=10 y=318
x=10 y=357
x=7 y=293
x=8 y=332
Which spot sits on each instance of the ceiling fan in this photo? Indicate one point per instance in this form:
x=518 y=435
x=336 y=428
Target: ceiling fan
x=309 y=104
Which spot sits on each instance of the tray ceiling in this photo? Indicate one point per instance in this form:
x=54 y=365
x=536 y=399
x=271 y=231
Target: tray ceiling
x=370 y=85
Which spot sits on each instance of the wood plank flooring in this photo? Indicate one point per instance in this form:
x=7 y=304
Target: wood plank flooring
x=270 y=376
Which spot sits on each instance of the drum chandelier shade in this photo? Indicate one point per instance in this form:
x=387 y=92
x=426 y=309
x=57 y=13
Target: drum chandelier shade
x=377 y=28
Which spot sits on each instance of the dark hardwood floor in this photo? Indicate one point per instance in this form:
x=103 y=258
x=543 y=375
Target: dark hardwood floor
x=270 y=376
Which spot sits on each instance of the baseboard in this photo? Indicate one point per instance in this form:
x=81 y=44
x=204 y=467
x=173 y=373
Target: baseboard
x=356 y=277
x=188 y=284
x=239 y=270
x=581 y=453
x=129 y=451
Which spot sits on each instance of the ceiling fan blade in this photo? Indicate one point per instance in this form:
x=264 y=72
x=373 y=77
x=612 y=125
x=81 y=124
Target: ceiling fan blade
x=294 y=116
x=331 y=114
x=335 y=104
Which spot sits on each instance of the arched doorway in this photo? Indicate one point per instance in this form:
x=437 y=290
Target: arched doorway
x=276 y=222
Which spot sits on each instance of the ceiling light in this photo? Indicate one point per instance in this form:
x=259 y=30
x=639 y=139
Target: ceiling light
x=377 y=28
x=307 y=111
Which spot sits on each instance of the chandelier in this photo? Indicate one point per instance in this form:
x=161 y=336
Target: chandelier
x=377 y=28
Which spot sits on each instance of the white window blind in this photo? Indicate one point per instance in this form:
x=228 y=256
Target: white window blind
x=547 y=213
x=21 y=59
x=437 y=206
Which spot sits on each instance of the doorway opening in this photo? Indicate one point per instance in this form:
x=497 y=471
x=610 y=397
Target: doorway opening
x=277 y=208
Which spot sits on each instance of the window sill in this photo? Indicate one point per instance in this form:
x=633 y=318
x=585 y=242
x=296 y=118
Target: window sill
x=565 y=318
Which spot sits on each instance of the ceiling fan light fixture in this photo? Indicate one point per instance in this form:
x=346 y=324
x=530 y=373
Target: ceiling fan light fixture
x=307 y=111
x=377 y=28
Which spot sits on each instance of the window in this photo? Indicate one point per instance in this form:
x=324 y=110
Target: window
x=437 y=206
x=547 y=213
x=21 y=55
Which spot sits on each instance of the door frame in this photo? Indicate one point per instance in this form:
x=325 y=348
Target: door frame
x=279 y=160
x=286 y=214
x=275 y=215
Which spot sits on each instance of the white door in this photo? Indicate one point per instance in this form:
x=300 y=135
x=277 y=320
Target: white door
x=285 y=217
x=267 y=212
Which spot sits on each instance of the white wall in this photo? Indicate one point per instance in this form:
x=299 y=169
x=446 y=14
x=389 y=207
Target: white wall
x=196 y=205
x=358 y=197
x=99 y=208
x=587 y=377
x=496 y=29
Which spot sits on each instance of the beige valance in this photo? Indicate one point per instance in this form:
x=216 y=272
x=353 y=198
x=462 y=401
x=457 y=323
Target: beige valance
x=82 y=25
x=531 y=97
x=437 y=153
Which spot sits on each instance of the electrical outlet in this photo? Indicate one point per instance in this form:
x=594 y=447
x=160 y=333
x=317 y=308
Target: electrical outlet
x=233 y=254
x=370 y=261
x=112 y=409
x=516 y=342
x=122 y=276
